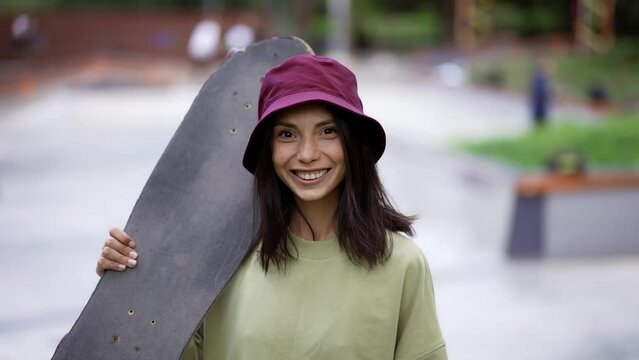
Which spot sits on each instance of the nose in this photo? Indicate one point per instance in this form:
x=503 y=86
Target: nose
x=308 y=151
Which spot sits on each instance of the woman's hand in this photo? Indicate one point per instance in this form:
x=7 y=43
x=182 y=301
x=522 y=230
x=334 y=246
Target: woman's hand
x=117 y=253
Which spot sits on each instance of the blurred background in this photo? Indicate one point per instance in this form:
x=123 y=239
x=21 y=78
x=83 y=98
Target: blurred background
x=513 y=132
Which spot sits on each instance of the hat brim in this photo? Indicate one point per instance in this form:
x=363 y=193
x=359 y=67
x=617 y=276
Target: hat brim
x=375 y=132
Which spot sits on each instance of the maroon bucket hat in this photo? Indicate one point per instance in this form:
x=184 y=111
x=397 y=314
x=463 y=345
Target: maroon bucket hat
x=309 y=78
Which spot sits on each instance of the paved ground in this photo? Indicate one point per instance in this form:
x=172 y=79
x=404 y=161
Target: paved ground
x=74 y=159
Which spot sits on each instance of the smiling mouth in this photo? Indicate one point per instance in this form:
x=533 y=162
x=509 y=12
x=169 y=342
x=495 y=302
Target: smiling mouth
x=310 y=175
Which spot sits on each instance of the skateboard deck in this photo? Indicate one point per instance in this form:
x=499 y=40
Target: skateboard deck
x=192 y=223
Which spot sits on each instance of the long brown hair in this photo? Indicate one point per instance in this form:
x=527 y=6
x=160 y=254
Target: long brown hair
x=363 y=216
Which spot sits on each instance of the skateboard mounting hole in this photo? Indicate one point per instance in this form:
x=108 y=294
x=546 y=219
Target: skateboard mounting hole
x=275 y=54
x=152 y=322
x=137 y=348
x=261 y=78
x=131 y=312
x=233 y=130
x=248 y=105
x=234 y=92
x=115 y=339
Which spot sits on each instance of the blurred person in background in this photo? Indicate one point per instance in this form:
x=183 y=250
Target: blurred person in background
x=540 y=92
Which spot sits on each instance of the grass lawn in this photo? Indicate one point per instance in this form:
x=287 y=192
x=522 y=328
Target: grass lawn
x=611 y=144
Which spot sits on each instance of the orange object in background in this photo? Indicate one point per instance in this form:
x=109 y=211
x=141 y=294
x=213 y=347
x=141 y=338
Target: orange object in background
x=28 y=86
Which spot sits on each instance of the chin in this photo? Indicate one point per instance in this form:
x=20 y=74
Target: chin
x=309 y=196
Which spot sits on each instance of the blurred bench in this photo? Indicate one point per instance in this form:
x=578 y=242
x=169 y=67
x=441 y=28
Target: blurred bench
x=578 y=215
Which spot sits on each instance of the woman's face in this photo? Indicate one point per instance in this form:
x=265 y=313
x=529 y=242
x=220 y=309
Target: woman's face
x=307 y=152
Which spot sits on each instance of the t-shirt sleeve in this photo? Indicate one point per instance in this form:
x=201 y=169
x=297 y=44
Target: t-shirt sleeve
x=418 y=335
x=193 y=350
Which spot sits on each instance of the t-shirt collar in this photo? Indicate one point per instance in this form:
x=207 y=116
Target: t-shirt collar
x=315 y=250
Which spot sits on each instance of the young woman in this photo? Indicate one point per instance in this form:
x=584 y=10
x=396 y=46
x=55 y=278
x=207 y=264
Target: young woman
x=328 y=274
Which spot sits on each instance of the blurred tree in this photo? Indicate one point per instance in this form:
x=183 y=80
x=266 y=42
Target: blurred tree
x=594 y=25
x=473 y=22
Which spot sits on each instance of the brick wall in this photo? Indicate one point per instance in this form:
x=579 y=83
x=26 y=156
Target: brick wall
x=71 y=34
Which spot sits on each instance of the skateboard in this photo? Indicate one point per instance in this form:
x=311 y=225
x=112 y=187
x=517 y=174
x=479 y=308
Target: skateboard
x=192 y=223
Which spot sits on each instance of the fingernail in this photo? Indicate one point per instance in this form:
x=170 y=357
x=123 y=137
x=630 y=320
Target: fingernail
x=121 y=267
x=133 y=254
x=132 y=262
x=132 y=243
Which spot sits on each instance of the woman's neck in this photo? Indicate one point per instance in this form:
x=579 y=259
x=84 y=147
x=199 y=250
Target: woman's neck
x=315 y=220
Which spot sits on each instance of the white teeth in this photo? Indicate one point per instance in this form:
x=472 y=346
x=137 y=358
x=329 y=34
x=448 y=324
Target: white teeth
x=311 y=175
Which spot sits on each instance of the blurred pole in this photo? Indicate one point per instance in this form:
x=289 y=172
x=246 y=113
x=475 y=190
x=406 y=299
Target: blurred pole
x=339 y=13
x=302 y=14
x=464 y=34
x=594 y=25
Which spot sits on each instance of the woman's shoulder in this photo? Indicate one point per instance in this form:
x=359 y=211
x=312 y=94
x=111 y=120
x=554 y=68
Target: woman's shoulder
x=408 y=260
x=404 y=251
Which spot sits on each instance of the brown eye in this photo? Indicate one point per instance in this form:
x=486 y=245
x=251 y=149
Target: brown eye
x=286 y=134
x=329 y=131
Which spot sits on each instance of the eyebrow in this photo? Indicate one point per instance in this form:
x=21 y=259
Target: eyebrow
x=320 y=124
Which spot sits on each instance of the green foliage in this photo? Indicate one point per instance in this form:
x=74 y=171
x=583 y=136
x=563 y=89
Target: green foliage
x=319 y=27
x=530 y=18
x=393 y=6
x=612 y=143
x=27 y=5
x=401 y=31
x=626 y=15
x=397 y=24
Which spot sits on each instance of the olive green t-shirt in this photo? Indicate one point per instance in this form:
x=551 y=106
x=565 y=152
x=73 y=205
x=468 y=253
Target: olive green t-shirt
x=323 y=307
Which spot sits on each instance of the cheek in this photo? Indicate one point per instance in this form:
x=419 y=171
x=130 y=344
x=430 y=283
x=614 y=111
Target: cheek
x=279 y=157
x=340 y=160
x=336 y=152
